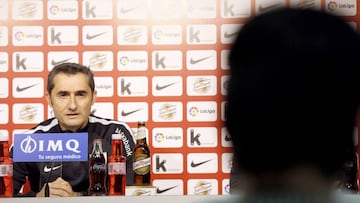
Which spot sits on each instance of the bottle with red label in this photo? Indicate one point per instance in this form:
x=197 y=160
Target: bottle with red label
x=97 y=170
x=141 y=157
x=117 y=167
x=6 y=168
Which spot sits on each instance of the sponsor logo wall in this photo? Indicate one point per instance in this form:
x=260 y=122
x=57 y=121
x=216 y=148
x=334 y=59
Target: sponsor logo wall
x=162 y=61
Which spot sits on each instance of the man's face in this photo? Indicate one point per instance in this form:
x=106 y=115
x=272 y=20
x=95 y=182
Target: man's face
x=71 y=99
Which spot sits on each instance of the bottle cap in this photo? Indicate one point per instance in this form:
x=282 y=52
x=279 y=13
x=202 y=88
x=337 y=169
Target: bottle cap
x=141 y=123
x=4 y=137
x=116 y=136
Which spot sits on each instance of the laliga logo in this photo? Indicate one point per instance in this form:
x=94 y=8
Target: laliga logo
x=54 y=9
x=332 y=6
x=194 y=111
x=159 y=137
x=29 y=145
x=124 y=60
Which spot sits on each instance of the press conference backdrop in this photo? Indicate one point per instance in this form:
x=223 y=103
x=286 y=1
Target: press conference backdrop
x=162 y=61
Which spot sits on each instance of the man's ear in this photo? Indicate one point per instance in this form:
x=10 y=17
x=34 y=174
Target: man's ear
x=94 y=97
x=48 y=99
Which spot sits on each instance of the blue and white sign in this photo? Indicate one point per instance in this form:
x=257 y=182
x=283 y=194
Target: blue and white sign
x=48 y=147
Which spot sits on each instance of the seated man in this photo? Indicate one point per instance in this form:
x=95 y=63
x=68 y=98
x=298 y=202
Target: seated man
x=71 y=93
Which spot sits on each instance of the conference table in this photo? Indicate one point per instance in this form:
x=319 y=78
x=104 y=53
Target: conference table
x=142 y=199
x=117 y=199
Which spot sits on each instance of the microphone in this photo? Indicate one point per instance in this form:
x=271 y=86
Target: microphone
x=47 y=189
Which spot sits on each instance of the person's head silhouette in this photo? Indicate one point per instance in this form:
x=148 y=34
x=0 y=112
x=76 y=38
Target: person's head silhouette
x=292 y=100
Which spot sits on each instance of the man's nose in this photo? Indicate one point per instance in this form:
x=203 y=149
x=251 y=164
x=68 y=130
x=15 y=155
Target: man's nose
x=72 y=102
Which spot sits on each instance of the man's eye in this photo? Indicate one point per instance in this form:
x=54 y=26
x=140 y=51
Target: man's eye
x=63 y=95
x=81 y=94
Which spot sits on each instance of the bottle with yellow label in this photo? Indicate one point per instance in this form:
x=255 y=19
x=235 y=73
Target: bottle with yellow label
x=141 y=157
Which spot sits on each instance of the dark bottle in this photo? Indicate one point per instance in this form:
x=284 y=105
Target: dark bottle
x=350 y=182
x=6 y=168
x=141 y=157
x=97 y=170
x=117 y=167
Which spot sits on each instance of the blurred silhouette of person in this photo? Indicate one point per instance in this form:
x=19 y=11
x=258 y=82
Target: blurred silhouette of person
x=293 y=96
